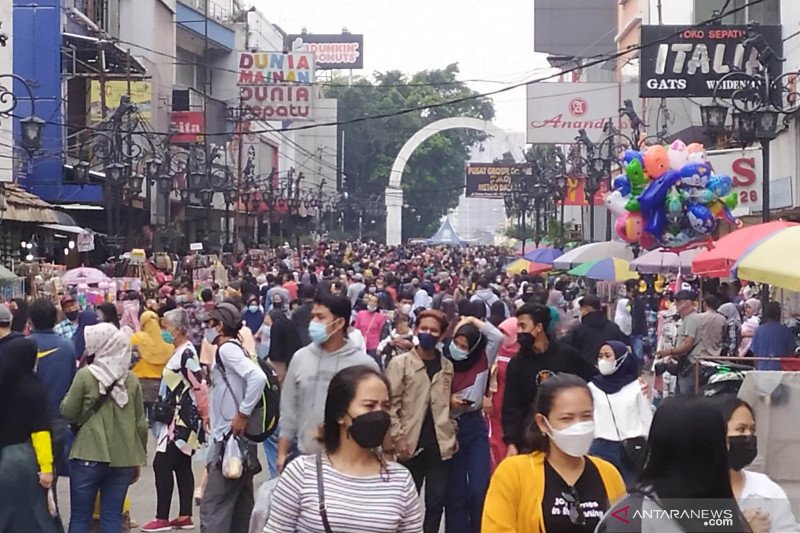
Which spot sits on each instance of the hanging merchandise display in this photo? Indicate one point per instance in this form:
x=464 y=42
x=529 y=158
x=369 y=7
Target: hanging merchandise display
x=670 y=197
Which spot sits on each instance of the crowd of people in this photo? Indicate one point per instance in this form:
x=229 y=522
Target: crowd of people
x=370 y=373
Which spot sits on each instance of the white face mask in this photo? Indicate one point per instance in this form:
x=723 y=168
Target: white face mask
x=574 y=440
x=606 y=366
x=405 y=309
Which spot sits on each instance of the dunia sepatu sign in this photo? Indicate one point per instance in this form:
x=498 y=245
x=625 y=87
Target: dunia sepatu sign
x=690 y=60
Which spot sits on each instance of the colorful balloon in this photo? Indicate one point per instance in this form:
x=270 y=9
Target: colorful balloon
x=677 y=154
x=631 y=155
x=630 y=227
x=697 y=153
x=636 y=177
x=695 y=174
x=731 y=200
x=720 y=185
x=622 y=184
x=615 y=203
x=656 y=161
x=700 y=219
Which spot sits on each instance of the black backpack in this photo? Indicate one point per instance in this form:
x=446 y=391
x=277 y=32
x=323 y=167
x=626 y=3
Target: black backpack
x=265 y=416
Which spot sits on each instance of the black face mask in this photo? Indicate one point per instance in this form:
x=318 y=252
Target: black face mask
x=72 y=316
x=525 y=341
x=742 y=450
x=369 y=429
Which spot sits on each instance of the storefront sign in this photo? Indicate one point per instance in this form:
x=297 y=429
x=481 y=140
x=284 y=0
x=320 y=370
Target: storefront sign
x=744 y=166
x=492 y=180
x=85 y=241
x=196 y=246
x=576 y=192
x=332 y=51
x=141 y=93
x=188 y=125
x=277 y=85
x=558 y=111
x=690 y=60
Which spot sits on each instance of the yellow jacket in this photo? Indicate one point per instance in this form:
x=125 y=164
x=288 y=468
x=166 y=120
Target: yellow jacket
x=514 y=501
x=154 y=352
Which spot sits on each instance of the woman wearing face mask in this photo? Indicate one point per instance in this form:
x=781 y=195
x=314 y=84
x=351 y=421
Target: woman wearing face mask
x=686 y=473
x=361 y=491
x=253 y=316
x=370 y=323
x=621 y=412
x=424 y=435
x=752 y=320
x=179 y=435
x=154 y=353
x=557 y=487
x=493 y=401
x=762 y=501
x=473 y=351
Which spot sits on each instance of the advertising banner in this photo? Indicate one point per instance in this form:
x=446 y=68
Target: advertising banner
x=744 y=166
x=189 y=125
x=576 y=192
x=85 y=241
x=141 y=95
x=277 y=85
x=493 y=180
x=558 y=111
x=690 y=60
x=332 y=51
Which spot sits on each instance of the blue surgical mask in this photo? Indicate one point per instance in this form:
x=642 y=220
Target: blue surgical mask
x=456 y=353
x=210 y=334
x=266 y=331
x=252 y=308
x=318 y=332
x=167 y=336
x=427 y=341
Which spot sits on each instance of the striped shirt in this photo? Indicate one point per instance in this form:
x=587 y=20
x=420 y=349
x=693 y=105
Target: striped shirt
x=370 y=504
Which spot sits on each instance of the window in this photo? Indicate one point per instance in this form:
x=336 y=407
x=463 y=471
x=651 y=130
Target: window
x=767 y=12
x=189 y=70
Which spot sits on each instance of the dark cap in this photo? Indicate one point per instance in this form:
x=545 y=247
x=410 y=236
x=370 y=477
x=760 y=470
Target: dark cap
x=227 y=314
x=6 y=317
x=685 y=295
x=590 y=300
x=67 y=300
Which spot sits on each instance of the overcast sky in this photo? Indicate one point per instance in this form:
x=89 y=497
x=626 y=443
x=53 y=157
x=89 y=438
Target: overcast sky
x=489 y=39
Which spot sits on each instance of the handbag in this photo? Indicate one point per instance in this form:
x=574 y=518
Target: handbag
x=633 y=451
x=162 y=411
x=323 y=512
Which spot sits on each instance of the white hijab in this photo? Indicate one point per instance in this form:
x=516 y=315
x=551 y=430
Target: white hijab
x=111 y=348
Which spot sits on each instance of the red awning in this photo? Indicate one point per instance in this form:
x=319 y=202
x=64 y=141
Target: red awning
x=718 y=261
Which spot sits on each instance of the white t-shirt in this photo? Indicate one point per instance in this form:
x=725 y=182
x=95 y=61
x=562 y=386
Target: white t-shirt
x=760 y=492
x=631 y=410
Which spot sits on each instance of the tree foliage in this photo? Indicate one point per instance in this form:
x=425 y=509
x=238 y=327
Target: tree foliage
x=434 y=175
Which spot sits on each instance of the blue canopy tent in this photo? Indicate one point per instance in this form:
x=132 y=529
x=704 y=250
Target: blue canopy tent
x=446 y=235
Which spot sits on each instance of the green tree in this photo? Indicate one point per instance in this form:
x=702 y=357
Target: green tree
x=434 y=176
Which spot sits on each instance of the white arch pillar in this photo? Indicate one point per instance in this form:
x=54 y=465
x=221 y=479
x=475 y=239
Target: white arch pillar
x=394 y=193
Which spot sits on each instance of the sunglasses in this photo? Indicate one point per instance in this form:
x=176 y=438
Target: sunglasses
x=576 y=515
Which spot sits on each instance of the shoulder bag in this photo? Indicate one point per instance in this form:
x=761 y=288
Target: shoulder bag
x=323 y=512
x=633 y=451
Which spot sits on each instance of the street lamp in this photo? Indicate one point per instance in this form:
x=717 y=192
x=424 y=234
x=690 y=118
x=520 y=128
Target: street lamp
x=31 y=126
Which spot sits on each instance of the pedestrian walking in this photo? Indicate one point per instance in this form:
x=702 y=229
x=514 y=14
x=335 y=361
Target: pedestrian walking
x=348 y=486
x=105 y=406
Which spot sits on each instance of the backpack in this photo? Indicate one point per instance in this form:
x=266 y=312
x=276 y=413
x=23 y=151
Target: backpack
x=265 y=416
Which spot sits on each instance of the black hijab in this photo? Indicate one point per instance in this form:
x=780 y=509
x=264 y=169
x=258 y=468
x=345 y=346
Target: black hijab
x=627 y=370
x=23 y=405
x=477 y=347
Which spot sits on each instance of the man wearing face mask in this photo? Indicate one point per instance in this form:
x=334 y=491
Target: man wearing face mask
x=67 y=327
x=310 y=372
x=689 y=341
x=540 y=356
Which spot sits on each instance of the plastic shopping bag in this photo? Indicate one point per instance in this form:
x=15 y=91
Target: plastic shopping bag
x=232 y=459
x=258 y=519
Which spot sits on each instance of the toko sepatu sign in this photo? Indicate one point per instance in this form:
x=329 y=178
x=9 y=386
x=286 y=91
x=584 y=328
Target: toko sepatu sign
x=277 y=85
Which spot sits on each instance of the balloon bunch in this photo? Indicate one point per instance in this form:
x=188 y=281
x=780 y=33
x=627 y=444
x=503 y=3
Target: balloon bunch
x=669 y=197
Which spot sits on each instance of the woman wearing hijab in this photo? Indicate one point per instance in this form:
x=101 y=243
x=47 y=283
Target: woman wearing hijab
x=622 y=414
x=732 y=335
x=473 y=351
x=493 y=402
x=253 y=316
x=85 y=318
x=105 y=401
x=107 y=312
x=26 y=457
x=752 y=320
x=154 y=352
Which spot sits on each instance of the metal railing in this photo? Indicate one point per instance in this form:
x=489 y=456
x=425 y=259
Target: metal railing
x=218 y=11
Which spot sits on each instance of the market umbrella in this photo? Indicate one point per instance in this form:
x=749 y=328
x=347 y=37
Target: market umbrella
x=767 y=261
x=85 y=275
x=593 y=252
x=6 y=276
x=608 y=269
x=543 y=255
x=661 y=261
x=718 y=261
x=530 y=267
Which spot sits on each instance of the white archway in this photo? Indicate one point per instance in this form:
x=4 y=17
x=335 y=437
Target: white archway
x=394 y=193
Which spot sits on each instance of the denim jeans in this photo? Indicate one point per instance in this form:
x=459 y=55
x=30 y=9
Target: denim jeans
x=468 y=479
x=611 y=451
x=86 y=479
x=271 y=451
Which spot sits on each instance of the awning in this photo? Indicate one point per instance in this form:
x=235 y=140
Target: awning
x=23 y=206
x=62 y=227
x=81 y=207
x=85 y=56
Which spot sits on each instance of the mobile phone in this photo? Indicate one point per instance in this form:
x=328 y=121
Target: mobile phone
x=467 y=402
